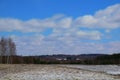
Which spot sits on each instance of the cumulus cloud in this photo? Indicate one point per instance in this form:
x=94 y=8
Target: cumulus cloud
x=65 y=23
x=34 y=25
x=108 y=18
x=37 y=45
x=10 y=24
x=86 y=21
x=66 y=34
x=94 y=35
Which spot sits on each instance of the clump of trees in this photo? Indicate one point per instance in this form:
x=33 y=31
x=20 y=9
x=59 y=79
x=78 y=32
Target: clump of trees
x=7 y=50
x=108 y=59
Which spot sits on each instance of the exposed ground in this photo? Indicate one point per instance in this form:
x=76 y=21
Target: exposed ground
x=51 y=72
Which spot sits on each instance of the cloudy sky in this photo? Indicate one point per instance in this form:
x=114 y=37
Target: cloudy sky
x=40 y=27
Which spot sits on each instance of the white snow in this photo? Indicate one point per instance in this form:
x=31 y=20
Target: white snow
x=109 y=69
x=64 y=72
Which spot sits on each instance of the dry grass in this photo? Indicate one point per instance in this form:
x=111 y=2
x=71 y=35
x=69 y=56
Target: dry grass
x=48 y=71
x=4 y=66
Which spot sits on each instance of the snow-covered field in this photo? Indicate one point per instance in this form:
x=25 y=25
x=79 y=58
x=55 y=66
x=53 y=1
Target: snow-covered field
x=109 y=69
x=55 y=72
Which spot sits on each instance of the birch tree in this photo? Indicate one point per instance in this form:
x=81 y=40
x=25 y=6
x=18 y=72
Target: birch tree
x=2 y=48
x=7 y=49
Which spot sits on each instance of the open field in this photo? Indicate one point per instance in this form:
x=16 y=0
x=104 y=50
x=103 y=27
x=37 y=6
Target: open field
x=109 y=69
x=57 y=72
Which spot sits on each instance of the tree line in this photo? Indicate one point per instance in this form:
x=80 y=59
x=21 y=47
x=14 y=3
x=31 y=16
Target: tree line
x=8 y=56
x=98 y=60
x=7 y=50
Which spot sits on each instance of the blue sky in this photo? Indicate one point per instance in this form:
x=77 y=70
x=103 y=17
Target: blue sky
x=61 y=26
x=46 y=8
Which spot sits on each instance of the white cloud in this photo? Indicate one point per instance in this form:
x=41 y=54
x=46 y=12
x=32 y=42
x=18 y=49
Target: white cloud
x=86 y=21
x=65 y=23
x=10 y=24
x=67 y=33
x=35 y=25
x=108 y=18
x=36 y=45
x=107 y=31
x=94 y=35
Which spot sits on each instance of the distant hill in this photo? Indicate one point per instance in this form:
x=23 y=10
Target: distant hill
x=67 y=59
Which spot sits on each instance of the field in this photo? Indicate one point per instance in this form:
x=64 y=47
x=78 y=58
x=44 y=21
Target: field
x=59 y=72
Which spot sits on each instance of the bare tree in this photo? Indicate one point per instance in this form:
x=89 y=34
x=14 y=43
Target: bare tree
x=7 y=52
x=3 y=49
x=12 y=49
x=7 y=49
